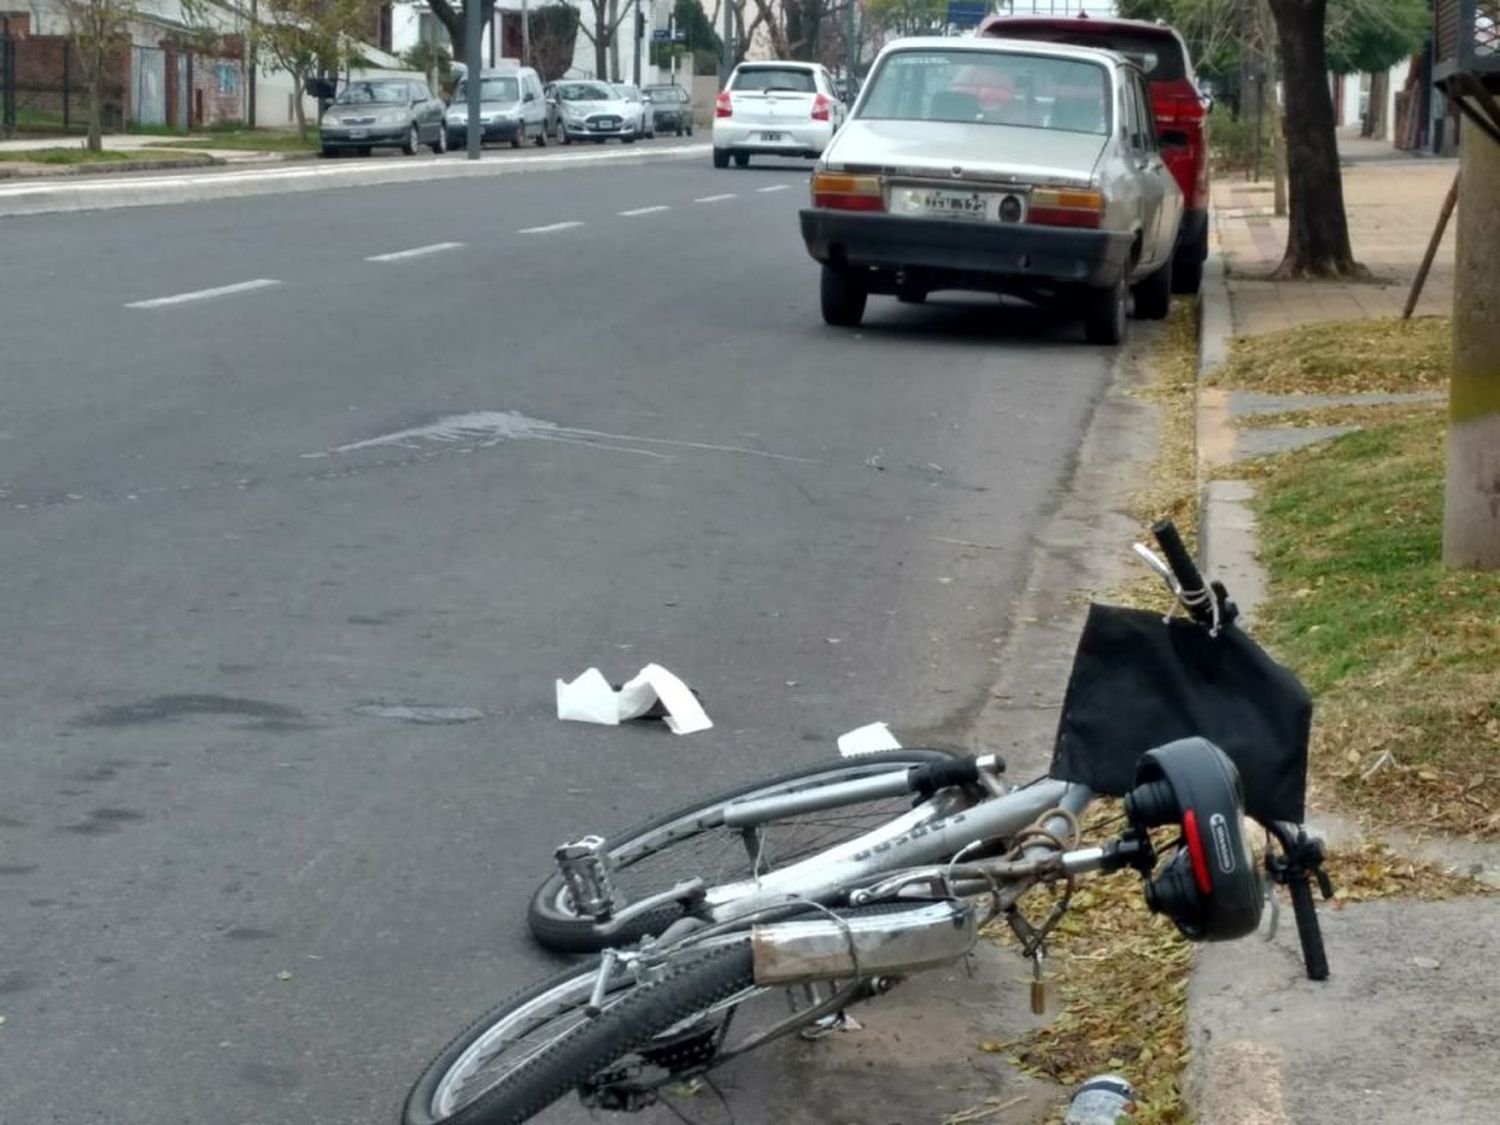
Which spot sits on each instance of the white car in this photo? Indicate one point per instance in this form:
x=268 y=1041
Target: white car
x=1002 y=166
x=645 y=120
x=775 y=109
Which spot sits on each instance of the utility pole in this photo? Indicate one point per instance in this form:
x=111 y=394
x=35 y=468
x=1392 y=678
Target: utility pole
x=250 y=64
x=640 y=32
x=727 y=63
x=525 y=34
x=472 y=78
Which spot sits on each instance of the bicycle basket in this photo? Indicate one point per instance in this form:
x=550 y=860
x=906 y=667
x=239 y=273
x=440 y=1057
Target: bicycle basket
x=1139 y=682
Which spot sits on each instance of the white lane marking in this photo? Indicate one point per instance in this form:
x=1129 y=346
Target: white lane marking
x=773 y=187
x=415 y=252
x=549 y=227
x=204 y=294
x=644 y=210
x=715 y=198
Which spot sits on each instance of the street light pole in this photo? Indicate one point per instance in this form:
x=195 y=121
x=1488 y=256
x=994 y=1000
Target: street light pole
x=472 y=79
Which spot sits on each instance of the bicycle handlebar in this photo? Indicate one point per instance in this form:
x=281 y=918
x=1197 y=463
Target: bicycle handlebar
x=1195 y=594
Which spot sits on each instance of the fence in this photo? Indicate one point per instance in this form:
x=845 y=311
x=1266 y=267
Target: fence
x=48 y=92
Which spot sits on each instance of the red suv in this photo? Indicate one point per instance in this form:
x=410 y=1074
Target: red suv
x=1181 y=111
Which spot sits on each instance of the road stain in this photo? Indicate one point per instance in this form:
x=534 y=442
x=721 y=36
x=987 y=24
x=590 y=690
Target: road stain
x=170 y=708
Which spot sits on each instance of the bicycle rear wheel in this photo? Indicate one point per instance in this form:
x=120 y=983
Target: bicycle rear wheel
x=694 y=842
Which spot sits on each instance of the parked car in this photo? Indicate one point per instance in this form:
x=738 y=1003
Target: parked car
x=1030 y=169
x=587 y=110
x=645 y=122
x=1176 y=99
x=775 y=109
x=383 y=113
x=671 y=109
x=511 y=108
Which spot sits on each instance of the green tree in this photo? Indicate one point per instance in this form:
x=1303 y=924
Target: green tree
x=1367 y=36
x=307 y=38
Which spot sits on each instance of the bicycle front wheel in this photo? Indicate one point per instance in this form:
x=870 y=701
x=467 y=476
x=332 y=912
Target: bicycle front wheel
x=694 y=842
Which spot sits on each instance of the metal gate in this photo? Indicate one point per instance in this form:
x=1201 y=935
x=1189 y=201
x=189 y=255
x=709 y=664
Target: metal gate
x=150 y=101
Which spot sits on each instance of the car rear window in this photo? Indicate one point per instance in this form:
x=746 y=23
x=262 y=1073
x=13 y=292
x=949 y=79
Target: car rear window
x=1159 y=55
x=991 y=88
x=795 y=79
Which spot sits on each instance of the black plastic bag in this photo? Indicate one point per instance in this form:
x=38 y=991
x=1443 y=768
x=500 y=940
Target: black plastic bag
x=1139 y=682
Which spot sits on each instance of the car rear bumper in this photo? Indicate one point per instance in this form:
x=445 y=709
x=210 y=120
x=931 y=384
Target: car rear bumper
x=799 y=139
x=955 y=254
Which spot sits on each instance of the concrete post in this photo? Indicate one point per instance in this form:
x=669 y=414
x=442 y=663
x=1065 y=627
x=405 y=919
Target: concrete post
x=1471 y=509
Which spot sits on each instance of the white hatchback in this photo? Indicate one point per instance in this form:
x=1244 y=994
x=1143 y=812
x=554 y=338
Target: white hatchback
x=775 y=109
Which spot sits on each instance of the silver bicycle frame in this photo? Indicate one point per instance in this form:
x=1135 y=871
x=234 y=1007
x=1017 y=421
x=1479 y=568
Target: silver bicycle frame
x=932 y=833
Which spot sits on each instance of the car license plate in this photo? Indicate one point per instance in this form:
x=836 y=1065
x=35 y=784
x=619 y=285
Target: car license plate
x=773 y=138
x=957 y=204
x=358 y=134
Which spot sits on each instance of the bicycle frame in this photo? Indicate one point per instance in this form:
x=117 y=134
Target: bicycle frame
x=932 y=833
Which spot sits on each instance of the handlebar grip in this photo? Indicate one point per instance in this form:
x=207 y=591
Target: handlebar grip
x=1314 y=956
x=1186 y=571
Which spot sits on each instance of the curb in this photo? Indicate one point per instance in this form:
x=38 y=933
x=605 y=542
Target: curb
x=67 y=171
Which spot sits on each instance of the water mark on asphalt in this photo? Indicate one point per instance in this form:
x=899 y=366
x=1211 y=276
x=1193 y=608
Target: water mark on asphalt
x=483 y=429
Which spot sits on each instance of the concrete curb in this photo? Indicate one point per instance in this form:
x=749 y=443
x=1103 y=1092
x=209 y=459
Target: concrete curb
x=24 y=171
x=262 y=178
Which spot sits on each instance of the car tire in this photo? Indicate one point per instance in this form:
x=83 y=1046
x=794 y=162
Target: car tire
x=721 y=158
x=541 y=136
x=842 y=298
x=627 y=140
x=1153 y=296
x=742 y=160
x=363 y=150
x=519 y=137
x=690 y=129
x=440 y=146
x=1187 y=271
x=562 y=135
x=413 y=142
x=1104 y=314
x=911 y=296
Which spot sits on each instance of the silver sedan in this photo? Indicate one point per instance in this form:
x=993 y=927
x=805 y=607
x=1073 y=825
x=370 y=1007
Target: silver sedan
x=1029 y=169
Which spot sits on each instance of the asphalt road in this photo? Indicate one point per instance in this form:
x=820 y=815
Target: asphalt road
x=246 y=548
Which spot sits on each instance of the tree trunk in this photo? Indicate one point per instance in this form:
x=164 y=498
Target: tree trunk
x=601 y=41
x=614 y=43
x=1317 y=241
x=299 y=81
x=95 y=141
x=1471 y=508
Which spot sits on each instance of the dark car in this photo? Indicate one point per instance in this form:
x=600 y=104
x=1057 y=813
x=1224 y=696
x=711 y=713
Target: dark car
x=1180 y=110
x=384 y=112
x=672 y=107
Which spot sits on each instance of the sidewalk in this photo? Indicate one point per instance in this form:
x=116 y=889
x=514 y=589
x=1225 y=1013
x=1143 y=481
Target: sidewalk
x=1392 y=206
x=1404 y=1029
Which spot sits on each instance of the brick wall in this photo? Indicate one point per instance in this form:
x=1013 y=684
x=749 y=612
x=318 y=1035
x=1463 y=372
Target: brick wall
x=50 y=88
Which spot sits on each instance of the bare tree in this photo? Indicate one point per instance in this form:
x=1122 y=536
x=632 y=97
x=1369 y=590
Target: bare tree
x=100 y=33
x=306 y=38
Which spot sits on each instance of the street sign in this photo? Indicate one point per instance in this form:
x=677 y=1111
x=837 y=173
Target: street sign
x=665 y=35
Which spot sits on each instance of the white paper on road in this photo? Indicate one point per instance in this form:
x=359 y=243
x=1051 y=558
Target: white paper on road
x=591 y=699
x=869 y=739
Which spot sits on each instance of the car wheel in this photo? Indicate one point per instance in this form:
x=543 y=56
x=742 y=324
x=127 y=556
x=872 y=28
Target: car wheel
x=842 y=298
x=541 y=136
x=413 y=142
x=440 y=145
x=363 y=150
x=1104 y=314
x=721 y=158
x=1153 y=296
x=627 y=140
x=741 y=159
x=1187 y=271
x=690 y=128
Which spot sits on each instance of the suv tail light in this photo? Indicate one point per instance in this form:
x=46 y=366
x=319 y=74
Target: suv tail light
x=1178 y=109
x=847 y=193
x=1055 y=208
x=723 y=107
x=821 y=107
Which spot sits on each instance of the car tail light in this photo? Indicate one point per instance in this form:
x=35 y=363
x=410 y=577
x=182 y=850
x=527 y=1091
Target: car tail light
x=821 y=107
x=723 y=107
x=1177 y=109
x=848 y=193
x=1058 y=208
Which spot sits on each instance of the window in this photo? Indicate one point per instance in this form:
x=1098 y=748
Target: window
x=1157 y=53
x=505 y=89
x=992 y=88
x=765 y=78
x=1148 y=115
x=373 y=93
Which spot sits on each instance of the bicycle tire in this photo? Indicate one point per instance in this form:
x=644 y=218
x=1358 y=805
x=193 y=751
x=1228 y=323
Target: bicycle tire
x=554 y=925
x=646 y=1010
